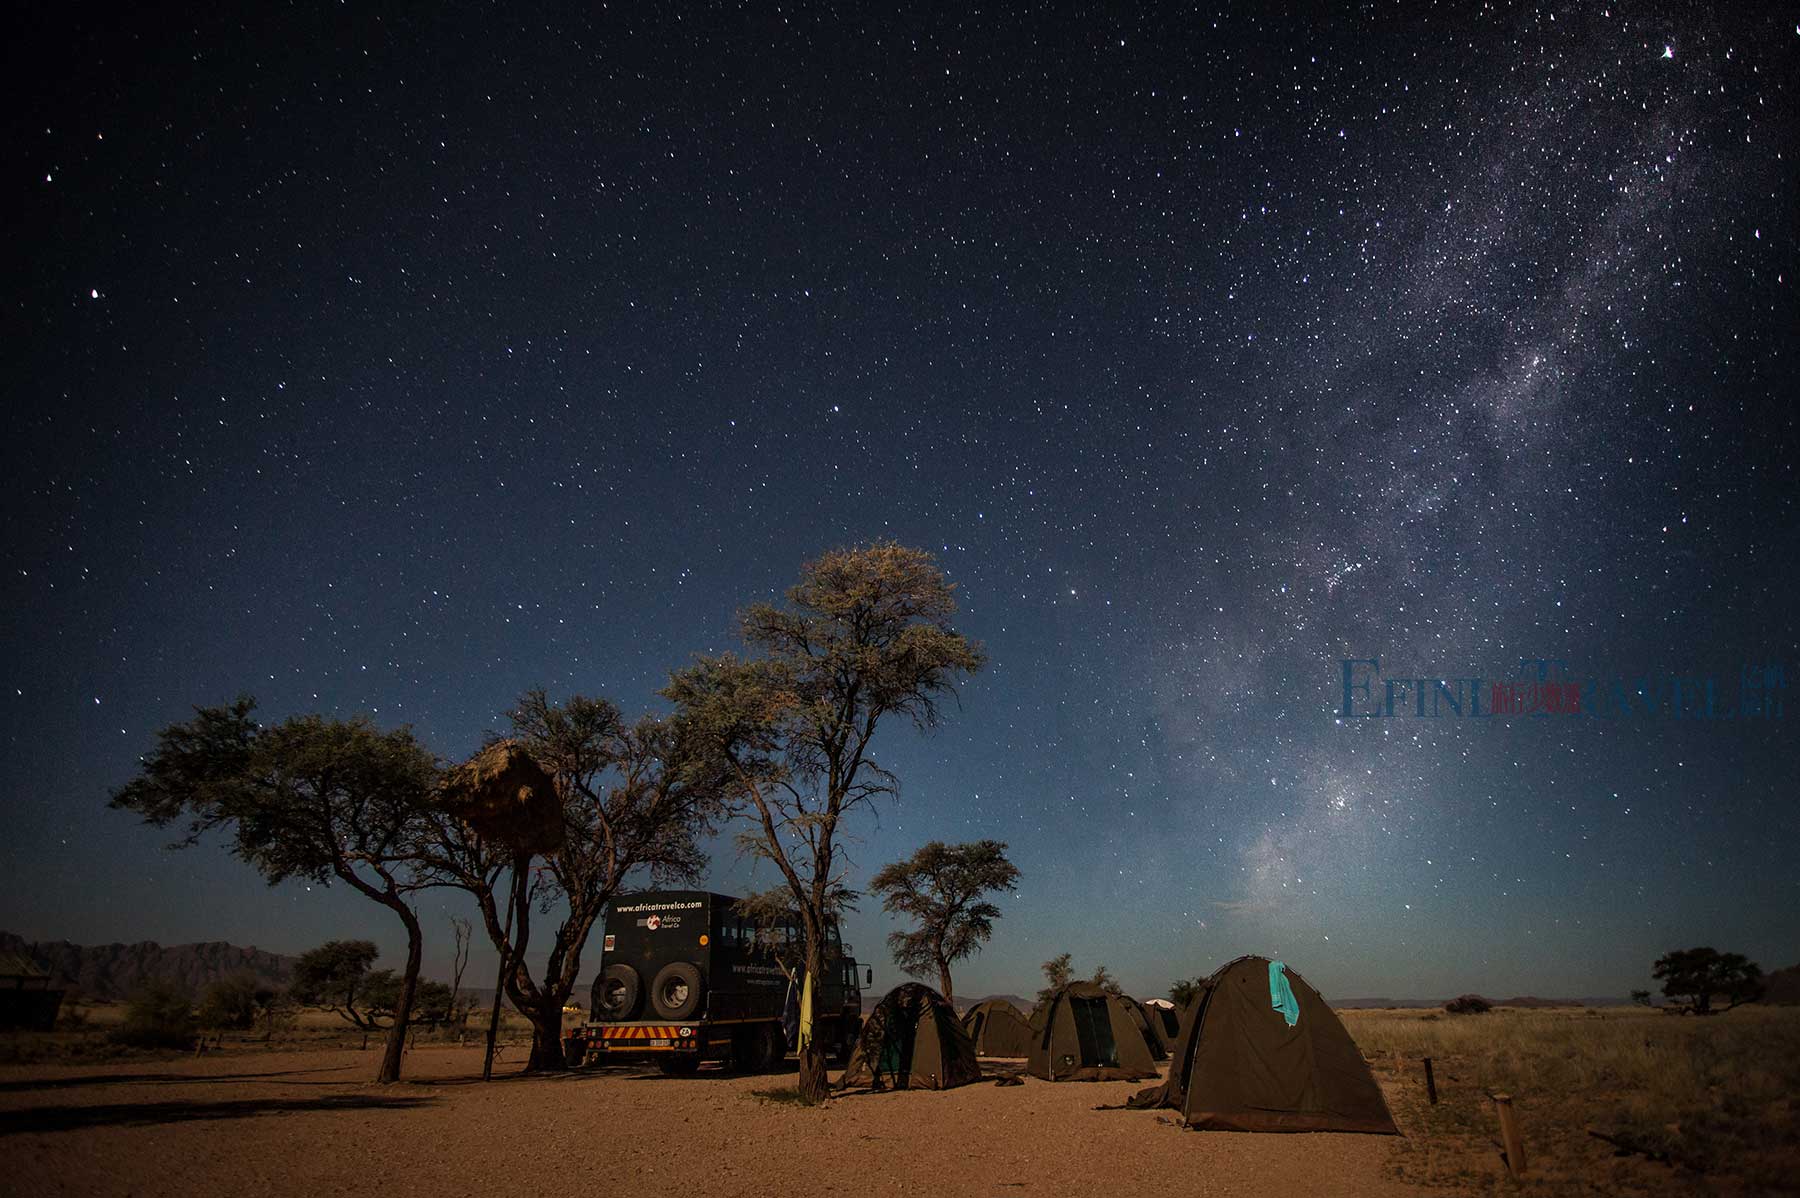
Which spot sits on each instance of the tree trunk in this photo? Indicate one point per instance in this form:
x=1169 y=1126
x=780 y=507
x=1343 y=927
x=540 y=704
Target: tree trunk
x=814 y=1087
x=944 y=982
x=517 y=905
x=546 y=1033
x=409 y=986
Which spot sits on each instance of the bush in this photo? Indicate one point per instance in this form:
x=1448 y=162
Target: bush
x=159 y=1016
x=230 y=1004
x=1468 y=1004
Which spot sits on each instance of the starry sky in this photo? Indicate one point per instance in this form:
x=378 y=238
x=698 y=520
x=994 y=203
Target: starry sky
x=396 y=360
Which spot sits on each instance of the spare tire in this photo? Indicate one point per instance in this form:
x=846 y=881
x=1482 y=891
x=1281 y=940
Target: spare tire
x=617 y=992
x=676 y=992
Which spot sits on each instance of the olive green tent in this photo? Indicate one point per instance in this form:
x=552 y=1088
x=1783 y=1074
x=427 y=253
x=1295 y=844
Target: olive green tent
x=1241 y=1066
x=912 y=1041
x=997 y=1029
x=1088 y=1034
x=1150 y=1027
x=1169 y=1018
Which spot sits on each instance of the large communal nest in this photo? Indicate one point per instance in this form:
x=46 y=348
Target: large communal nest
x=506 y=797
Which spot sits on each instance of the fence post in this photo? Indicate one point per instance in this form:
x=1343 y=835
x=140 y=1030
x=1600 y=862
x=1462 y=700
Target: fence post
x=1430 y=1083
x=1510 y=1140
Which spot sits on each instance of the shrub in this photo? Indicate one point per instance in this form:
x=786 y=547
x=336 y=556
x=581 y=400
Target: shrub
x=1468 y=1004
x=159 y=1016
x=229 y=1004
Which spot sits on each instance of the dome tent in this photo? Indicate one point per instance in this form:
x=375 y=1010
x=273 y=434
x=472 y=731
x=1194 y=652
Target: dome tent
x=1086 y=1033
x=1241 y=1066
x=1150 y=1027
x=1169 y=1017
x=912 y=1041
x=997 y=1029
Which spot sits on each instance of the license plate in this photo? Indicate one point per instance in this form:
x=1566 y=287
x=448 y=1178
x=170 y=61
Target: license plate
x=659 y=1043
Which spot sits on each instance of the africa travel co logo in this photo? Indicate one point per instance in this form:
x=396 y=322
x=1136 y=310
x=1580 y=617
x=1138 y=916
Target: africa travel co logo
x=1547 y=687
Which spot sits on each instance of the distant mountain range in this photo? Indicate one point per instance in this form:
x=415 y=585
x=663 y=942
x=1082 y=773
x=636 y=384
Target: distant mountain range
x=110 y=972
x=963 y=1004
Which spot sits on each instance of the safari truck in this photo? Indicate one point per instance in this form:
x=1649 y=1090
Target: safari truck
x=685 y=978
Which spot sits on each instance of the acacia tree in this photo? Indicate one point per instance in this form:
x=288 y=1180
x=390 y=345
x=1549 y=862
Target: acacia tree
x=1059 y=971
x=229 y=1003
x=315 y=798
x=336 y=976
x=1182 y=992
x=940 y=888
x=635 y=801
x=1696 y=975
x=865 y=635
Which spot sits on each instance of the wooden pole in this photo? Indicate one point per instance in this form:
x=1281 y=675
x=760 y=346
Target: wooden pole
x=1510 y=1140
x=1430 y=1083
x=515 y=905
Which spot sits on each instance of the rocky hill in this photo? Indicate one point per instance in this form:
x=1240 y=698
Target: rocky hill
x=110 y=972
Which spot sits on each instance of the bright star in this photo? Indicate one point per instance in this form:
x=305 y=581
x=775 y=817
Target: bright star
x=1668 y=51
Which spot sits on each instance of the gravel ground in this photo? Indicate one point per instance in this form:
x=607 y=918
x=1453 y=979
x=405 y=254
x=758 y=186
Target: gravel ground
x=308 y=1123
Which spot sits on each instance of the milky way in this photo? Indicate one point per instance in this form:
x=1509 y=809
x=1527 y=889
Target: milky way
x=368 y=364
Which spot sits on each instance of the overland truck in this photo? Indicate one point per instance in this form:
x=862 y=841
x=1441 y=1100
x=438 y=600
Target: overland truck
x=685 y=978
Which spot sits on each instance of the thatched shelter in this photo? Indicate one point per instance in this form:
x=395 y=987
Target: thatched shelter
x=27 y=998
x=506 y=797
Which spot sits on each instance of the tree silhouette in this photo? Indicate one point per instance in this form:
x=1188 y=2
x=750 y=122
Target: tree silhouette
x=1695 y=976
x=335 y=976
x=315 y=798
x=1058 y=972
x=865 y=636
x=940 y=888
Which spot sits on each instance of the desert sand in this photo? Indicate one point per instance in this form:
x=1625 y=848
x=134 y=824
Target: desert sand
x=309 y=1123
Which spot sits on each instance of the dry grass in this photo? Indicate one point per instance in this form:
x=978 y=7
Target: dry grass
x=82 y=1036
x=1706 y=1105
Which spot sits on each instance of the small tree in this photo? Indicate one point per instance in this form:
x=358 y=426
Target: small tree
x=1104 y=979
x=1059 y=971
x=315 y=798
x=459 y=929
x=276 y=1011
x=940 y=888
x=1468 y=1004
x=337 y=977
x=865 y=636
x=159 y=1015
x=1182 y=993
x=1695 y=976
x=434 y=1004
x=229 y=1003
x=1641 y=998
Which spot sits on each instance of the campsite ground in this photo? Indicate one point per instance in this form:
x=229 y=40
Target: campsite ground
x=306 y=1123
x=1712 y=1096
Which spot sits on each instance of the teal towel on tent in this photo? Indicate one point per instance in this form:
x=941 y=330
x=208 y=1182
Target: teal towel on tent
x=1281 y=995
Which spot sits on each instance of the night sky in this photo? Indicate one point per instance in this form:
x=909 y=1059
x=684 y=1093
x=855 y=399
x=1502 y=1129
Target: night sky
x=388 y=362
